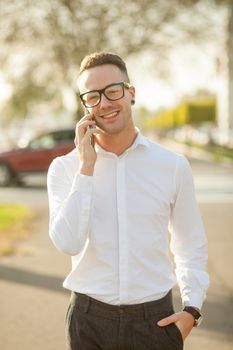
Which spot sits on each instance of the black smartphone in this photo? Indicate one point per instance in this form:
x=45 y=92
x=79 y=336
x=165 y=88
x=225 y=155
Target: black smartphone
x=90 y=126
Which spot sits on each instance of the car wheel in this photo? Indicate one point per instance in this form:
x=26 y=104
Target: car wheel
x=6 y=175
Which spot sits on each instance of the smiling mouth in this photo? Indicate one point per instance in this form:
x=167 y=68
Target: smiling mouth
x=109 y=115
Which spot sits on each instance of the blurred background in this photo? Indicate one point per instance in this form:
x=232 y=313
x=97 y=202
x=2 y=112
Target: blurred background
x=180 y=59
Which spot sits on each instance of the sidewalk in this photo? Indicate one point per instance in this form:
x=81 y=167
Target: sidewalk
x=33 y=303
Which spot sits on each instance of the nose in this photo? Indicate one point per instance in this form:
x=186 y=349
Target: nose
x=104 y=102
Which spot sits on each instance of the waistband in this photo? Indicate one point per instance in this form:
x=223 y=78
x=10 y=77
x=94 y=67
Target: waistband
x=145 y=310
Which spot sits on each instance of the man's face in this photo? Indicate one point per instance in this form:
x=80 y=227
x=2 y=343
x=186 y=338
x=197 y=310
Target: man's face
x=111 y=116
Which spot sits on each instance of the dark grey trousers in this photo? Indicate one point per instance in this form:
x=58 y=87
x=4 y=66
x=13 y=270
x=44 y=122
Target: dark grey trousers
x=94 y=325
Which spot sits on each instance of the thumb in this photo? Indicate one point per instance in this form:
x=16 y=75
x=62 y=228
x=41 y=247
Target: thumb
x=167 y=320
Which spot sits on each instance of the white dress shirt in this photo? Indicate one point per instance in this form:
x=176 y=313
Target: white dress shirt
x=119 y=223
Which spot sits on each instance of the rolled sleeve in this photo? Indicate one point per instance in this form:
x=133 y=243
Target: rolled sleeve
x=188 y=240
x=70 y=207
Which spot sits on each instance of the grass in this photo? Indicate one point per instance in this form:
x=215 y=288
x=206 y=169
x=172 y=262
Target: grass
x=14 y=225
x=219 y=152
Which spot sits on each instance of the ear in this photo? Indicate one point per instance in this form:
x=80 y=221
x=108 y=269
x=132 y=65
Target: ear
x=132 y=93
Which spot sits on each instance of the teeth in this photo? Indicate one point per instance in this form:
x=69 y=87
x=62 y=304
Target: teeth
x=113 y=114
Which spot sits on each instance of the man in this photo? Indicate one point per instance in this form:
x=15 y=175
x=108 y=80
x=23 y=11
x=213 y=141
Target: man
x=111 y=206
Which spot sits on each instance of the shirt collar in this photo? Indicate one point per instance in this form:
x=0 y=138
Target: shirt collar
x=140 y=140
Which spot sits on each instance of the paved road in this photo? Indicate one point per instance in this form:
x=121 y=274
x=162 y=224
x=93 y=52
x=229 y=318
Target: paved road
x=33 y=304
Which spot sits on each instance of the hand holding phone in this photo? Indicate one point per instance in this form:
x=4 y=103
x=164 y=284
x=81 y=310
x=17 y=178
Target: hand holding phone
x=84 y=141
x=90 y=127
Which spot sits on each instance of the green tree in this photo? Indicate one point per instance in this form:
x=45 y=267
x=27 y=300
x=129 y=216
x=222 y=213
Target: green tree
x=42 y=43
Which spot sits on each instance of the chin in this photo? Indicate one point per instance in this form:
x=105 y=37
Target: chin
x=110 y=130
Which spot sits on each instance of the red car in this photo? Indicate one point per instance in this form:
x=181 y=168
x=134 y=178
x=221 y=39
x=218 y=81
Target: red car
x=36 y=156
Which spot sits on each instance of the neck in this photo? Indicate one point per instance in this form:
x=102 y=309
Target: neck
x=117 y=143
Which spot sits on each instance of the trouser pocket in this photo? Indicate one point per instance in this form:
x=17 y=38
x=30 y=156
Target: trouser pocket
x=174 y=335
x=166 y=338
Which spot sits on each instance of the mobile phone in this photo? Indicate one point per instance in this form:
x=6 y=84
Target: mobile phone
x=90 y=127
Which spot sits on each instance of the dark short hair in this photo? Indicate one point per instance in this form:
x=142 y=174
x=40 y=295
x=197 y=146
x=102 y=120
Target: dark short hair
x=100 y=58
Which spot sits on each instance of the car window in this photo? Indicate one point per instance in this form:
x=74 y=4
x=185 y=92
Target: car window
x=64 y=136
x=53 y=139
x=46 y=141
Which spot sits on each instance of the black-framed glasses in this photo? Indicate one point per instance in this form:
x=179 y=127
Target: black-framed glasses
x=112 y=92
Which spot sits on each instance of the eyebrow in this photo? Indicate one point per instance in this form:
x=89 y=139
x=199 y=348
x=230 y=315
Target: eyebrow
x=100 y=90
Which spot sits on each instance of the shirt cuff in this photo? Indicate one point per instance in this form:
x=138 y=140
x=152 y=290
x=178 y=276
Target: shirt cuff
x=82 y=183
x=193 y=299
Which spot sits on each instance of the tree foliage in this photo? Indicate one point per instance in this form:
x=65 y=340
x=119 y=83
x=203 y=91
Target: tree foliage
x=42 y=43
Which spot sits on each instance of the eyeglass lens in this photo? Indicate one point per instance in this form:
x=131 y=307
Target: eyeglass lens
x=112 y=93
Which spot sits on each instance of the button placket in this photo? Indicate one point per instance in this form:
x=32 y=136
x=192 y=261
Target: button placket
x=122 y=231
